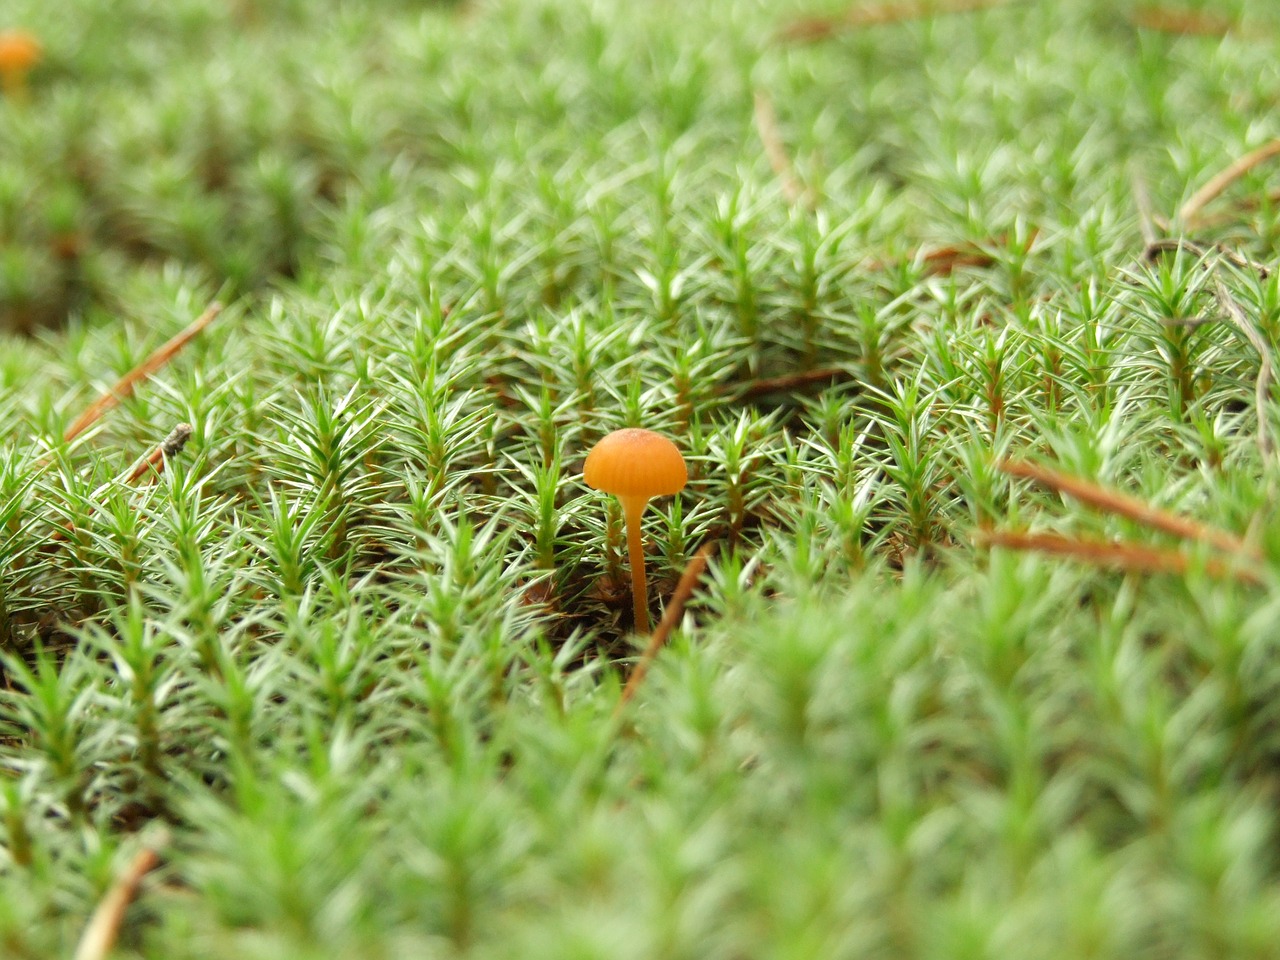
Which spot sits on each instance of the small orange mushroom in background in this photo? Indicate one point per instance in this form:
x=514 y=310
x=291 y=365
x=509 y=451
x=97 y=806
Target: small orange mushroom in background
x=19 y=52
x=636 y=465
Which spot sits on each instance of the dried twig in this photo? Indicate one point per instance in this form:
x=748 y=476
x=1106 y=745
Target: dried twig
x=789 y=381
x=104 y=926
x=943 y=261
x=125 y=385
x=819 y=28
x=1146 y=213
x=1134 y=557
x=1198 y=23
x=1188 y=214
x=153 y=462
x=170 y=446
x=670 y=617
x=1241 y=204
x=1155 y=249
x=774 y=149
x=1113 y=501
x=1266 y=370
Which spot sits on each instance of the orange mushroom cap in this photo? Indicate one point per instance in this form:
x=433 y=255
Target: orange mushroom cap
x=19 y=50
x=635 y=463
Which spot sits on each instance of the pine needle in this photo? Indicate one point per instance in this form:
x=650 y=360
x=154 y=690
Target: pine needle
x=776 y=151
x=1131 y=557
x=670 y=617
x=170 y=446
x=104 y=926
x=1125 y=505
x=810 y=29
x=1189 y=212
x=124 y=387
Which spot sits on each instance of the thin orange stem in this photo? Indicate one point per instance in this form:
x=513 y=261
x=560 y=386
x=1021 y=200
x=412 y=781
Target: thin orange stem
x=633 y=510
x=670 y=617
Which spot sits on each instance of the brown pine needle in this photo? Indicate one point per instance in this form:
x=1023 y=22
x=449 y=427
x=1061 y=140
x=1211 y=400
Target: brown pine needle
x=1198 y=23
x=776 y=152
x=1158 y=248
x=786 y=382
x=943 y=261
x=1239 y=207
x=104 y=926
x=1266 y=372
x=170 y=446
x=152 y=463
x=1131 y=557
x=670 y=617
x=819 y=28
x=937 y=261
x=1146 y=212
x=124 y=387
x=1125 y=505
x=1188 y=214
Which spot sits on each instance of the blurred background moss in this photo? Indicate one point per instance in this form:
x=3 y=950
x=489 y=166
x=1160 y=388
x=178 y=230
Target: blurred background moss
x=221 y=135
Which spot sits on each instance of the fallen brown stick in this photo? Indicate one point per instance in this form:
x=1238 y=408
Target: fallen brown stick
x=104 y=926
x=810 y=29
x=1188 y=213
x=670 y=617
x=1125 y=505
x=1155 y=249
x=1266 y=371
x=1241 y=205
x=1132 y=557
x=943 y=261
x=776 y=152
x=940 y=261
x=788 y=381
x=124 y=387
x=153 y=462
x=1146 y=212
x=170 y=446
x=1198 y=23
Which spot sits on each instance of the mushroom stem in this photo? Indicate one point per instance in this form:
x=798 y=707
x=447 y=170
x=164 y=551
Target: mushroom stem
x=633 y=510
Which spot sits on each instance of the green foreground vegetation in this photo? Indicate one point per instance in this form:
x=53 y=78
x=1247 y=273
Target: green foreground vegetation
x=352 y=662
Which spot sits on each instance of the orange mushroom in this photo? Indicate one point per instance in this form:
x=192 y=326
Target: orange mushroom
x=19 y=52
x=636 y=465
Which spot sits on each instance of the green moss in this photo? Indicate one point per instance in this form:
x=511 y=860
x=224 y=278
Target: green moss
x=358 y=649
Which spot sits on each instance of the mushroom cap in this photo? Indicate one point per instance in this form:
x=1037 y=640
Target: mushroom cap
x=19 y=50
x=635 y=463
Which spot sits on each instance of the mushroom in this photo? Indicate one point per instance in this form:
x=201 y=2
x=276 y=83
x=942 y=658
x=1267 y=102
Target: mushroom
x=19 y=52
x=636 y=465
